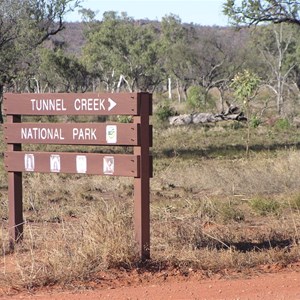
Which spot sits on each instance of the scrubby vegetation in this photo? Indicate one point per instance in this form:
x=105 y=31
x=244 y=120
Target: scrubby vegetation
x=224 y=195
x=211 y=209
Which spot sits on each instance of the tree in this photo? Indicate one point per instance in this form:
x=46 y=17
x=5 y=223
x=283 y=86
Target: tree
x=24 y=25
x=215 y=60
x=121 y=51
x=293 y=57
x=245 y=85
x=275 y=42
x=63 y=72
x=177 y=53
x=253 y=12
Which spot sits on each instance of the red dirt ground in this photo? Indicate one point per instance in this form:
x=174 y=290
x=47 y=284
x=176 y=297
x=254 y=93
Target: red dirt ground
x=268 y=283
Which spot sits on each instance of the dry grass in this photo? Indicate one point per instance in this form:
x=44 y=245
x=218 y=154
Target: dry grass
x=62 y=252
x=261 y=174
x=209 y=214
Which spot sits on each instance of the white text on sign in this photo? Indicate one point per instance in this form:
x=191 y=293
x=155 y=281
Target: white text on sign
x=84 y=134
x=44 y=133
x=48 y=104
x=79 y=104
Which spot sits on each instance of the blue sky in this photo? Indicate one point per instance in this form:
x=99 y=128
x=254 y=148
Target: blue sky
x=202 y=12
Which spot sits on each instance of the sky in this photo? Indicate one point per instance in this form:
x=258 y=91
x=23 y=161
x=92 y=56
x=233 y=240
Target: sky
x=201 y=12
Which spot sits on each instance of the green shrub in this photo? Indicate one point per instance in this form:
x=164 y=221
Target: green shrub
x=295 y=203
x=236 y=125
x=164 y=111
x=264 y=207
x=199 y=99
x=282 y=124
x=124 y=119
x=255 y=122
x=229 y=213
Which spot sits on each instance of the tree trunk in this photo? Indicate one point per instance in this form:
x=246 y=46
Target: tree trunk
x=1 y=101
x=280 y=96
x=178 y=91
x=221 y=91
x=170 y=88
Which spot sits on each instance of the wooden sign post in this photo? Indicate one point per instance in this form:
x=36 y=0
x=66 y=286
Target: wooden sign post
x=136 y=134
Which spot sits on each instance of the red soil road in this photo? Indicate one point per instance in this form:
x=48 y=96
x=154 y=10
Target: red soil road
x=268 y=286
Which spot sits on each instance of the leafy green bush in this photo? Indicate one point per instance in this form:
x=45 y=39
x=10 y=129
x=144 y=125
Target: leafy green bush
x=199 y=99
x=236 y=125
x=231 y=213
x=124 y=119
x=264 y=207
x=164 y=111
x=255 y=122
x=282 y=124
x=295 y=203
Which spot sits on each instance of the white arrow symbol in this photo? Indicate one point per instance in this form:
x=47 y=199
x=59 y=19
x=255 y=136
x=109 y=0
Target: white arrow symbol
x=112 y=104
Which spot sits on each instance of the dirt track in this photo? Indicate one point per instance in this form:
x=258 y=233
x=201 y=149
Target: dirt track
x=280 y=285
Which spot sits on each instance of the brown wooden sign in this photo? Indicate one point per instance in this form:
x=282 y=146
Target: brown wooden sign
x=72 y=104
x=73 y=163
x=138 y=134
x=72 y=133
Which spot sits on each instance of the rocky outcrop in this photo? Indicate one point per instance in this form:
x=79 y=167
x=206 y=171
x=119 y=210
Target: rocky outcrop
x=232 y=113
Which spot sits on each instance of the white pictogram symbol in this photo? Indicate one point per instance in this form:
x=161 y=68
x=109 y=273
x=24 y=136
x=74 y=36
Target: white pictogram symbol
x=108 y=165
x=29 y=162
x=112 y=104
x=81 y=164
x=111 y=134
x=54 y=163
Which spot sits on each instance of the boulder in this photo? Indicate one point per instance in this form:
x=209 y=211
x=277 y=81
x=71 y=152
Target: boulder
x=181 y=119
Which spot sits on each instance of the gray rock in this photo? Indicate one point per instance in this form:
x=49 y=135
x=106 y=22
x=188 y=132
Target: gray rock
x=203 y=118
x=181 y=119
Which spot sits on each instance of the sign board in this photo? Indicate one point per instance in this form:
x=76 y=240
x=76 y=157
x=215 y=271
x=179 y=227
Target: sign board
x=72 y=163
x=72 y=104
x=137 y=134
x=72 y=133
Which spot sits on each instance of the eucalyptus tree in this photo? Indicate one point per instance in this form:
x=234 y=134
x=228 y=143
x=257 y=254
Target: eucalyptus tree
x=123 y=53
x=253 y=12
x=276 y=44
x=202 y=56
x=24 y=25
x=293 y=57
x=177 y=53
x=219 y=54
x=59 y=71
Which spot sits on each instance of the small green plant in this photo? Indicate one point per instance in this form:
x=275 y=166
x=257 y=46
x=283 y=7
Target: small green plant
x=255 y=122
x=236 y=125
x=295 y=202
x=245 y=86
x=124 y=119
x=198 y=98
x=229 y=213
x=264 y=207
x=164 y=111
x=195 y=97
x=282 y=124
